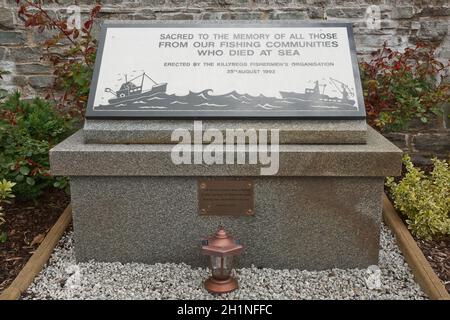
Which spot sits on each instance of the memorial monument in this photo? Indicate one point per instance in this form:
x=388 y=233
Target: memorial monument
x=256 y=126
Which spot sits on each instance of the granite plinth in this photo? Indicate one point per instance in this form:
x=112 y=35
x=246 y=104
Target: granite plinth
x=322 y=209
x=74 y=157
x=299 y=222
x=291 y=132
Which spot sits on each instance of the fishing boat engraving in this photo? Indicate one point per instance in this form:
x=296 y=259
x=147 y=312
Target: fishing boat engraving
x=315 y=97
x=130 y=91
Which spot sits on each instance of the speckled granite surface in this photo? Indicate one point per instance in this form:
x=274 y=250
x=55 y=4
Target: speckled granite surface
x=322 y=209
x=291 y=132
x=73 y=157
x=299 y=222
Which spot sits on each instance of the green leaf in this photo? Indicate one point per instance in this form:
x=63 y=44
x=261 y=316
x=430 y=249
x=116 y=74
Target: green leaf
x=3 y=237
x=19 y=178
x=424 y=119
x=30 y=181
x=24 y=170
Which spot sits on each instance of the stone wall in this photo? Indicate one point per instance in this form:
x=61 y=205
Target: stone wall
x=398 y=22
x=424 y=142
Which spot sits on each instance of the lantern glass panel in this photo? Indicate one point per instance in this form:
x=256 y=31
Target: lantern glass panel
x=221 y=267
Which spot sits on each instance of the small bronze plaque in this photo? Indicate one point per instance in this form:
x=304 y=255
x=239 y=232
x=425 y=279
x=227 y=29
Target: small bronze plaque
x=225 y=197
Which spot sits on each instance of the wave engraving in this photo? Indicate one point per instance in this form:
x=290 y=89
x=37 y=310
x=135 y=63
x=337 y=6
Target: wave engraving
x=131 y=97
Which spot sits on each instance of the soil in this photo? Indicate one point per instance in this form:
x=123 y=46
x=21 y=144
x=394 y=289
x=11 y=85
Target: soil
x=27 y=223
x=437 y=252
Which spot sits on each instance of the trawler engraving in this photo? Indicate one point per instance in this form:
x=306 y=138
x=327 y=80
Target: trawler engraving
x=130 y=91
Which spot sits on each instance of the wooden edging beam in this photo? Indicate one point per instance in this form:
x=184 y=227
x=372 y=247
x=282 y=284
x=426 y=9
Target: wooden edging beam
x=423 y=273
x=38 y=259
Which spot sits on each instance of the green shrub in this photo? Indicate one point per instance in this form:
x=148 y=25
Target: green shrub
x=28 y=129
x=400 y=87
x=5 y=195
x=424 y=198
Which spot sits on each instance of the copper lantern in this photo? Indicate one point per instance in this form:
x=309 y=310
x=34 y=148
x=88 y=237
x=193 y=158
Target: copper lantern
x=221 y=249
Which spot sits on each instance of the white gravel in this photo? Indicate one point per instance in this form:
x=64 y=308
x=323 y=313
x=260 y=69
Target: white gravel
x=63 y=278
